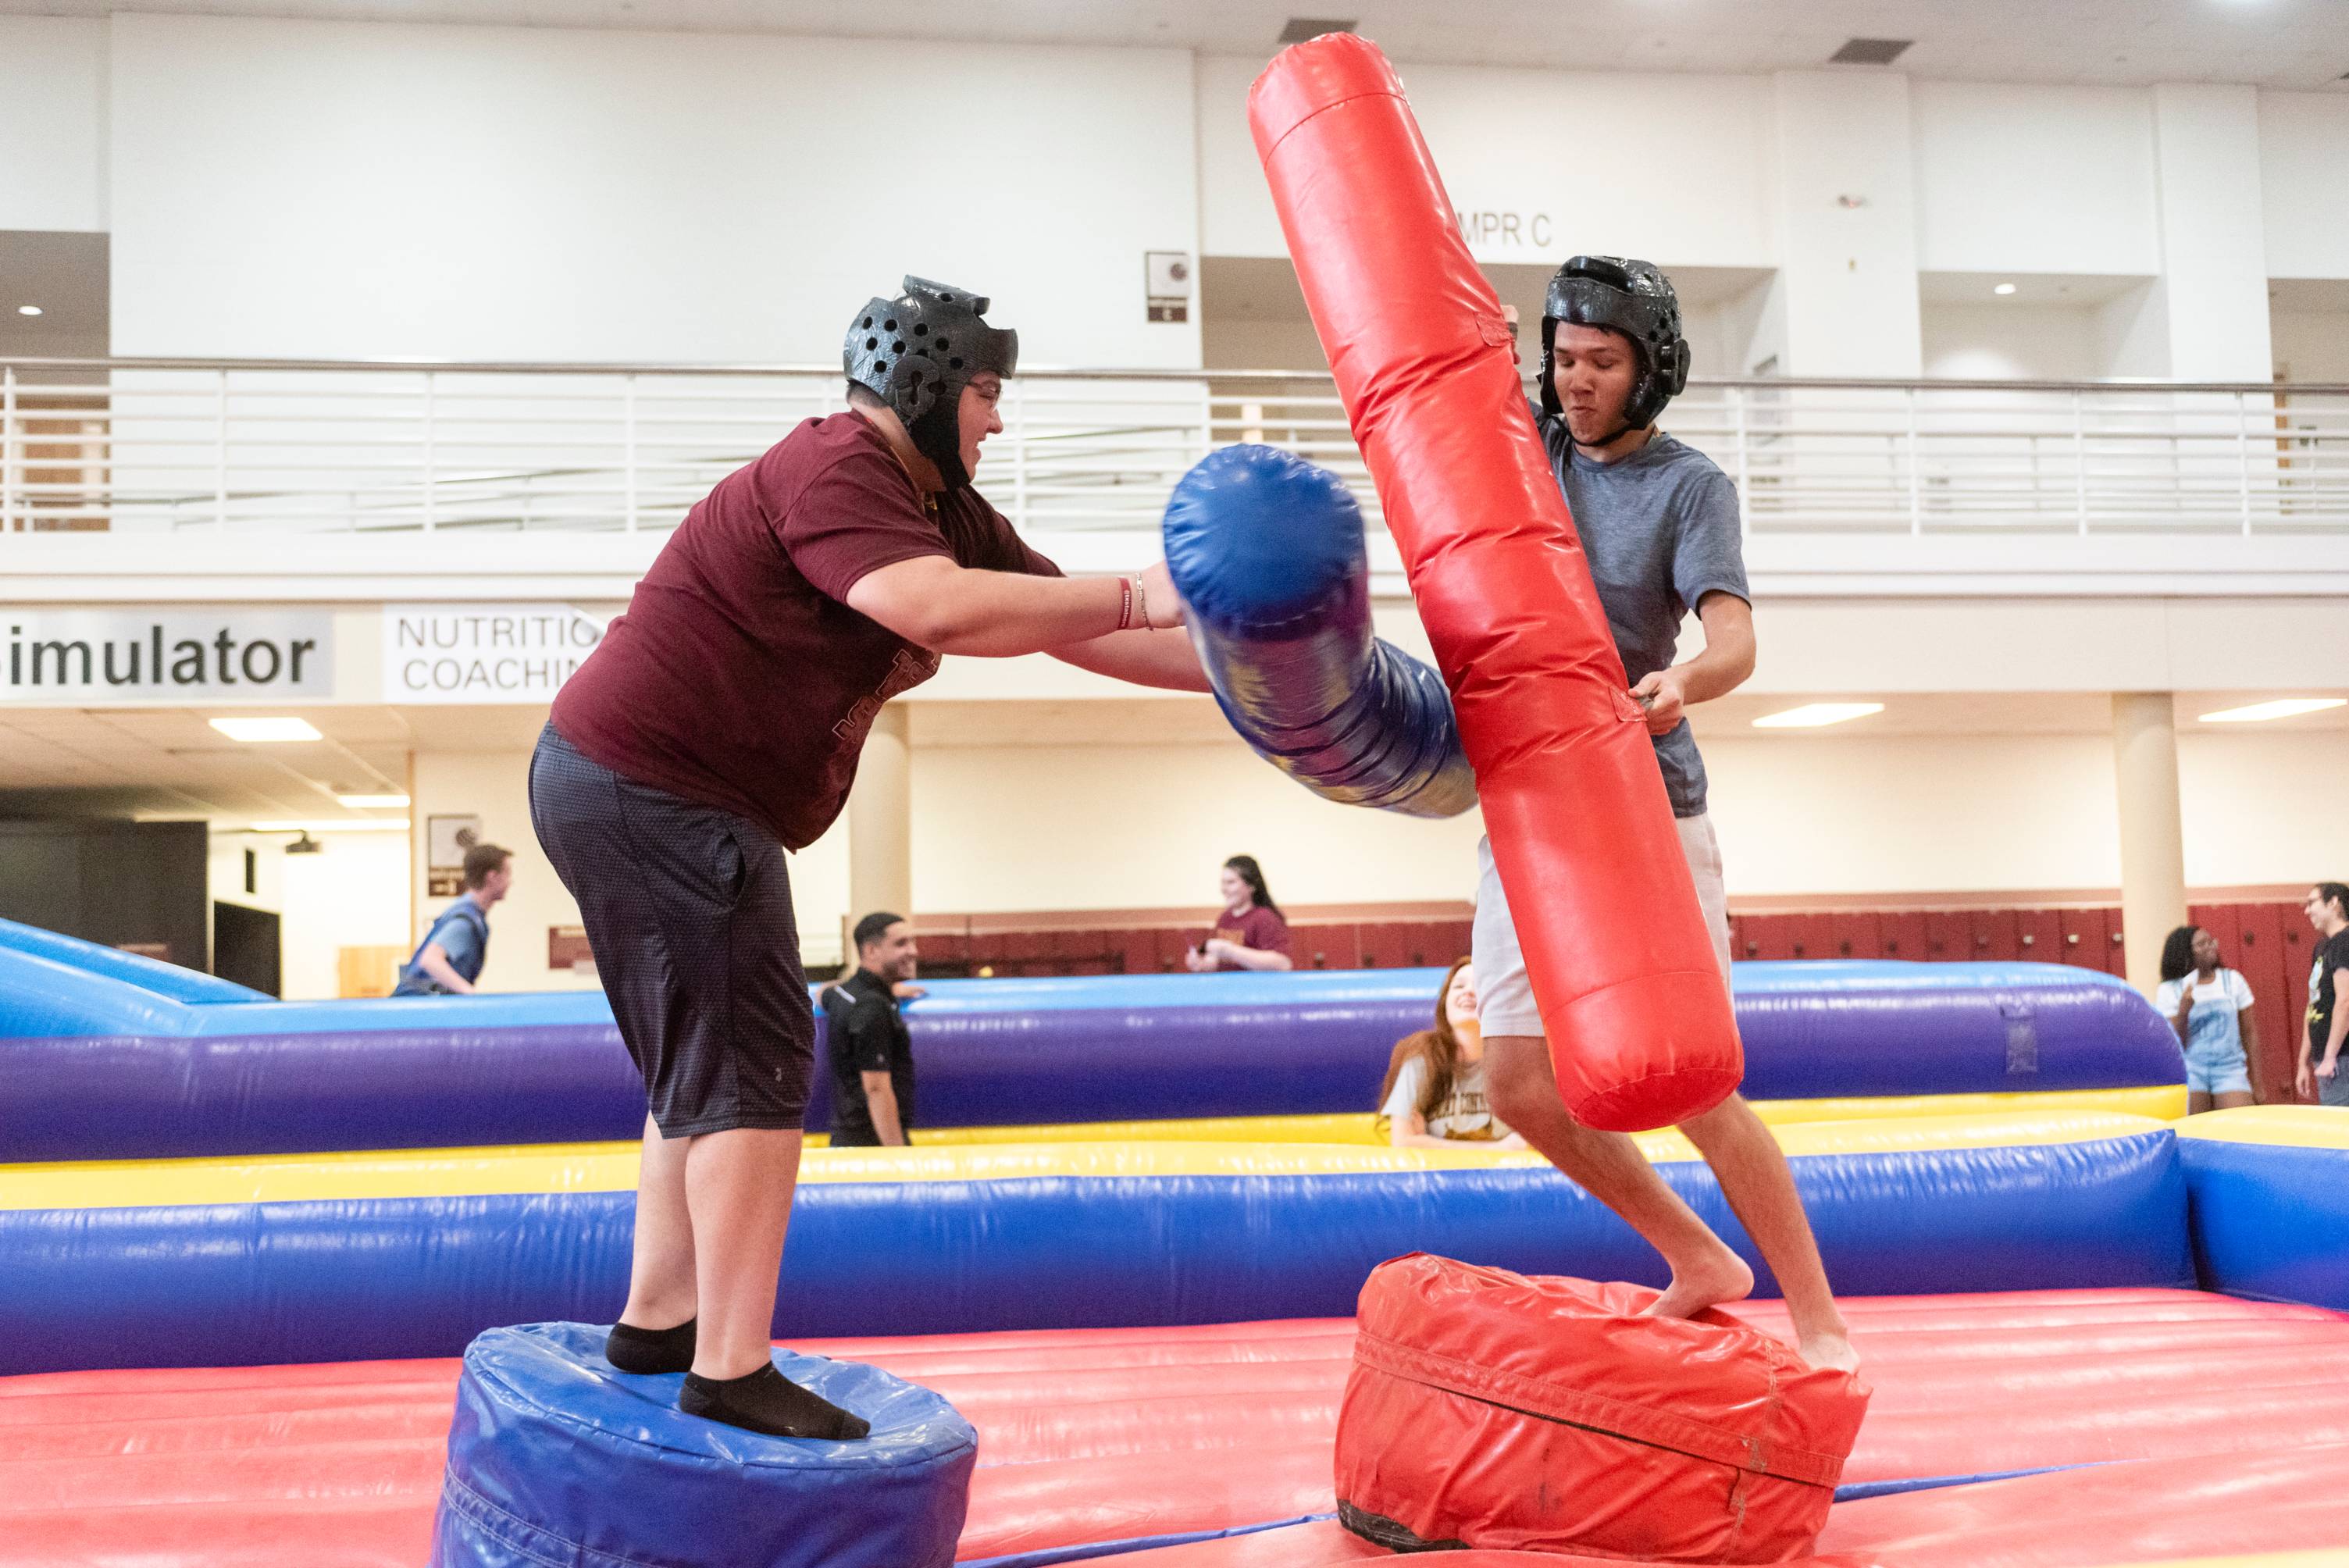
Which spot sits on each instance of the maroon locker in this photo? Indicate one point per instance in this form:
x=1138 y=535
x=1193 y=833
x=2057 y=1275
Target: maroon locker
x=1949 y=935
x=1021 y=953
x=946 y=950
x=1431 y=944
x=1137 y=948
x=1459 y=937
x=1814 y=935
x=1381 y=947
x=1342 y=943
x=1997 y=935
x=1172 y=943
x=2039 y=936
x=1901 y=934
x=1853 y=935
x=1741 y=946
x=1080 y=952
x=2271 y=949
x=1773 y=935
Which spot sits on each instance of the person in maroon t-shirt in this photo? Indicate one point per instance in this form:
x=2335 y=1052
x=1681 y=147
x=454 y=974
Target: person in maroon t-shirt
x=716 y=726
x=1251 y=933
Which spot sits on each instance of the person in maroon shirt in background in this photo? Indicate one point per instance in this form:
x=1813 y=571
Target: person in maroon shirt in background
x=716 y=726
x=1251 y=933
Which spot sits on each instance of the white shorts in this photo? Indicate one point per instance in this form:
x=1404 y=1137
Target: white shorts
x=1505 y=997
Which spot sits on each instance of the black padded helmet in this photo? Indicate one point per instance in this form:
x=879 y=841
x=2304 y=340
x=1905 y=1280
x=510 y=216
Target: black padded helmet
x=917 y=352
x=1635 y=300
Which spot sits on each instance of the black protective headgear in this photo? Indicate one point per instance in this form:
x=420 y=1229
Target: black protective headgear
x=1631 y=298
x=917 y=352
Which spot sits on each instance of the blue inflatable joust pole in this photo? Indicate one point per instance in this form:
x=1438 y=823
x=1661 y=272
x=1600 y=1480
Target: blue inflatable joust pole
x=1267 y=551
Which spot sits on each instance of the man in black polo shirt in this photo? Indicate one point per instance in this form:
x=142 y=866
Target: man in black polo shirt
x=872 y=1054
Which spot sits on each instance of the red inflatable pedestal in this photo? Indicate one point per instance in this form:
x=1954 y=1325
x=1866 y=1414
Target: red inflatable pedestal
x=1488 y=1409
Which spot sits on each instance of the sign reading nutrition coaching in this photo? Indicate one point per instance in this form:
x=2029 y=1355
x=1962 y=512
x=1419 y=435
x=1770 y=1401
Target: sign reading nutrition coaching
x=166 y=654
x=482 y=653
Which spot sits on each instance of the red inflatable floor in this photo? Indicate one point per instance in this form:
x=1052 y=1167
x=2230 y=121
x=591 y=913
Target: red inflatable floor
x=1125 y=1435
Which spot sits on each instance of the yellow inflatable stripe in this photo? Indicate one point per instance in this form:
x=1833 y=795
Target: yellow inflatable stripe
x=2161 y=1102
x=611 y=1167
x=2299 y=1126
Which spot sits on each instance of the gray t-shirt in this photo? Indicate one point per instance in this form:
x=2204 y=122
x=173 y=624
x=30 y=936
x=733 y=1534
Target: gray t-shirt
x=1659 y=528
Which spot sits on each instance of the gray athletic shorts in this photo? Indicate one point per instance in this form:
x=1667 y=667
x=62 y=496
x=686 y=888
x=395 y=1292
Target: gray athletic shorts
x=1504 y=995
x=688 y=911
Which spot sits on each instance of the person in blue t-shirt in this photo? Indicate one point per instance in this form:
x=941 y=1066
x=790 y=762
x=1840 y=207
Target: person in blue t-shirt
x=450 y=958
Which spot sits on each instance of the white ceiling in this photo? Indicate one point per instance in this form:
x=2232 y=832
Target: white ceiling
x=2068 y=289
x=170 y=762
x=2270 y=43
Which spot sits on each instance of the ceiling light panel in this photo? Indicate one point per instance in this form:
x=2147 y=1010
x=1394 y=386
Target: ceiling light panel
x=1816 y=715
x=2282 y=707
x=261 y=731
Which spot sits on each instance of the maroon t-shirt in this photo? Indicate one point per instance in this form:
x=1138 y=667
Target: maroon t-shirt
x=1259 y=928
x=739 y=678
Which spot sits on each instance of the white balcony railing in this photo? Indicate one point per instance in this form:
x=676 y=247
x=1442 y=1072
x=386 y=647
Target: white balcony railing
x=140 y=446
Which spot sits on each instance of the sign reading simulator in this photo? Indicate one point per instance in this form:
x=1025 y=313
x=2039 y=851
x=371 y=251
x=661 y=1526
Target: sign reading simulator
x=172 y=655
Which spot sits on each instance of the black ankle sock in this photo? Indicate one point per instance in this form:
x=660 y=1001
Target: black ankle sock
x=634 y=1349
x=767 y=1401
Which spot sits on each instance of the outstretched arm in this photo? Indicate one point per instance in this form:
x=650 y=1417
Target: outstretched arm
x=951 y=609
x=1145 y=658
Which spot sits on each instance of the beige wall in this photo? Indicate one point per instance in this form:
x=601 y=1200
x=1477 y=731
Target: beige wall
x=1126 y=825
x=495 y=784
x=352 y=894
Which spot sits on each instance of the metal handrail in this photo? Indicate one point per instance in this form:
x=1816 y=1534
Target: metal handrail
x=382 y=445
x=1077 y=373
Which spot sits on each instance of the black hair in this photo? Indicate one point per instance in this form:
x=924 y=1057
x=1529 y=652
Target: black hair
x=2336 y=893
x=1253 y=874
x=872 y=928
x=2177 y=952
x=483 y=862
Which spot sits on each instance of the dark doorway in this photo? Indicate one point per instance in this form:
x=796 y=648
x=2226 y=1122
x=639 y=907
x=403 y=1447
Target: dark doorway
x=139 y=886
x=245 y=946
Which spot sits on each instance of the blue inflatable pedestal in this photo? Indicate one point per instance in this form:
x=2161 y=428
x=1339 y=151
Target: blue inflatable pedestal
x=556 y=1457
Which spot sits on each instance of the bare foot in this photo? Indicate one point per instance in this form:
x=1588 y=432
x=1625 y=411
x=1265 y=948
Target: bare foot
x=1830 y=1351
x=1722 y=1275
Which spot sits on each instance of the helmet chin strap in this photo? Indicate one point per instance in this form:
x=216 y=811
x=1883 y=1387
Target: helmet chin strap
x=938 y=436
x=1617 y=434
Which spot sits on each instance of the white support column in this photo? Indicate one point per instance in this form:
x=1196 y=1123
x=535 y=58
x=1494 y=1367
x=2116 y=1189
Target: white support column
x=1847 y=217
x=2153 y=836
x=881 y=822
x=2213 y=232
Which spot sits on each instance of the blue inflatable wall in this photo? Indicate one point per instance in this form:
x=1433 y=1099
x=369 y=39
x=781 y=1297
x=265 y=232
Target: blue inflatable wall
x=970 y=1239
x=105 y=1070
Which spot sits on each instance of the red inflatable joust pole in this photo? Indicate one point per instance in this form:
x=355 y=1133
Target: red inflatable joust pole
x=1638 y=1017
